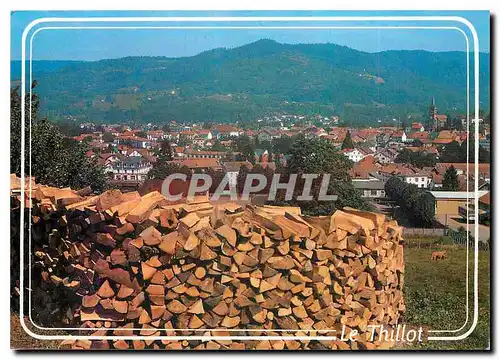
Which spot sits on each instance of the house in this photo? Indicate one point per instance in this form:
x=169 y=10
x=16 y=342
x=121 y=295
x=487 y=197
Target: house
x=364 y=168
x=386 y=156
x=220 y=131
x=450 y=202
x=132 y=141
x=232 y=169
x=445 y=137
x=382 y=140
x=409 y=174
x=441 y=120
x=203 y=154
x=354 y=155
x=484 y=170
x=484 y=202
x=420 y=135
x=398 y=137
x=204 y=134
x=172 y=136
x=421 y=180
x=133 y=152
x=198 y=142
x=417 y=127
x=265 y=135
x=187 y=134
x=199 y=164
x=370 y=189
x=107 y=160
x=130 y=169
x=155 y=135
x=178 y=151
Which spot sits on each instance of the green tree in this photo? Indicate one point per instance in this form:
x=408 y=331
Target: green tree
x=453 y=152
x=55 y=159
x=108 y=137
x=319 y=156
x=165 y=153
x=415 y=158
x=242 y=175
x=162 y=169
x=417 y=204
x=347 y=143
x=166 y=128
x=424 y=209
x=417 y=143
x=246 y=149
x=217 y=146
x=284 y=143
x=450 y=179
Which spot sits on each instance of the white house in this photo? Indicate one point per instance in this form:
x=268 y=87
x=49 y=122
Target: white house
x=421 y=180
x=354 y=155
x=133 y=168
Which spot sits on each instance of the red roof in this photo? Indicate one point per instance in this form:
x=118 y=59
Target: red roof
x=485 y=199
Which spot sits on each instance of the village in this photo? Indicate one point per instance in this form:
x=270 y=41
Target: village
x=419 y=154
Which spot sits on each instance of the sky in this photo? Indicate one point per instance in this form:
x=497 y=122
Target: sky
x=96 y=44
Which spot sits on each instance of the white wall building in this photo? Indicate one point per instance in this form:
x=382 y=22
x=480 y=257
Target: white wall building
x=133 y=168
x=421 y=180
x=354 y=155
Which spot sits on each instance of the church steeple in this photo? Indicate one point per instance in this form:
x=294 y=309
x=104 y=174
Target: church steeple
x=432 y=114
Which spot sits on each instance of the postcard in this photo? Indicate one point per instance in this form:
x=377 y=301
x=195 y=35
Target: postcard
x=270 y=180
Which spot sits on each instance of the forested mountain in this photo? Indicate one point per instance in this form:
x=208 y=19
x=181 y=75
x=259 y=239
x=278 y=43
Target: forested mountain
x=254 y=80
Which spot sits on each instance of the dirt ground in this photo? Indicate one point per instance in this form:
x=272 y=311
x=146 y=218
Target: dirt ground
x=20 y=340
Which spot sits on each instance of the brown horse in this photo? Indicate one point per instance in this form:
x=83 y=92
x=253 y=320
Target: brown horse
x=439 y=255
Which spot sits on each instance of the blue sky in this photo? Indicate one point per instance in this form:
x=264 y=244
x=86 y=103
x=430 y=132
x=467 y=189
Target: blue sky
x=104 y=44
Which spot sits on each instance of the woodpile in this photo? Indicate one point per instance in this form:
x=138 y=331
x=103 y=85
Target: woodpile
x=121 y=264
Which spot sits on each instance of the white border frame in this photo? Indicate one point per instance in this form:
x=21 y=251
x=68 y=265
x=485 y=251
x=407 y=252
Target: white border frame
x=271 y=28
x=253 y=19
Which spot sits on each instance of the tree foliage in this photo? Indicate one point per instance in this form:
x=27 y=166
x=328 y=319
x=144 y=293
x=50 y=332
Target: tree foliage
x=162 y=169
x=417 y=204
x=51 y=158
x=246 y=149
x=165 y=153
x=319 y=156
x=108 y=137
x=347 y=143
x=450 y=179
x=416 y=158
x=457 y=153
x=283 y=144
x=259 y=77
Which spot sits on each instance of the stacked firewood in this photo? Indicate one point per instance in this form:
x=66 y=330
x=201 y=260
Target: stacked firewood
x=118 y=264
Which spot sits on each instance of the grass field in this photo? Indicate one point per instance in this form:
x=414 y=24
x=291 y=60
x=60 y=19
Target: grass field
x=435 y=296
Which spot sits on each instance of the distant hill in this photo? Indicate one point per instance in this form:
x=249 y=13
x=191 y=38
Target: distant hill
x=257 y=79
x=39 y=66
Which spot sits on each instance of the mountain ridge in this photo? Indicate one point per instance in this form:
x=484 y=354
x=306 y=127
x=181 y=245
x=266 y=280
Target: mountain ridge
x=257 y=79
